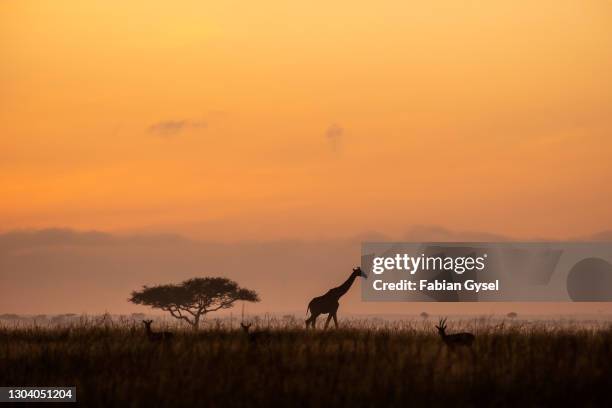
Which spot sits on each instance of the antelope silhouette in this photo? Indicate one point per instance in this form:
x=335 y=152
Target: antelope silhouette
x=454 y=340
x=328 y=303
x=156 y=336
x=255 y=336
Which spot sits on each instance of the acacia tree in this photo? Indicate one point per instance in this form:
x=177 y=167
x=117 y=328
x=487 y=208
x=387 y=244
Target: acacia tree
x=192 y=299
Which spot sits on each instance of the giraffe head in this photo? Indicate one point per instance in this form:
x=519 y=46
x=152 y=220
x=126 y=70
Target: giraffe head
x=358 y=272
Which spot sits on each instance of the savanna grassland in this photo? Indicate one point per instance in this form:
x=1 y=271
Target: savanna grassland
x=362 y=364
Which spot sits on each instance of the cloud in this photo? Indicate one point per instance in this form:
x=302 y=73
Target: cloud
x=174 y=127
x=63 y=237
x=61 y=270
x=57 y=270
x=27 y=240
x=436 y=233
x=334 y=134
x=605 y=236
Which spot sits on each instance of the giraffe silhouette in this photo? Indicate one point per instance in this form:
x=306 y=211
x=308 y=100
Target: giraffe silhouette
x=328 y=303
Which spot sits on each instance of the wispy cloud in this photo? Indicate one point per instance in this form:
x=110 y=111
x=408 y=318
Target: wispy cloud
x=334 y=135
x=174 y=127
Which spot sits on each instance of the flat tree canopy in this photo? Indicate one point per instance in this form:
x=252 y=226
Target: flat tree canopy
x=194 y=298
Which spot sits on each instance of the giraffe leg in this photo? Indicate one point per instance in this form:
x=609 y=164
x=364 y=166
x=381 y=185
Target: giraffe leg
x=329 y=316
x=313 y=321
x=335 y=320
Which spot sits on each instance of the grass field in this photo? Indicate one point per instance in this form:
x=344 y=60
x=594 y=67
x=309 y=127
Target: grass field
x=365 y=364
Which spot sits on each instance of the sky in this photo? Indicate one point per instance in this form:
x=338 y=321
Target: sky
x=268 y=121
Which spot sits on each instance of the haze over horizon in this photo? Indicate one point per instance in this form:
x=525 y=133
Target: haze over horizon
x=61 y=270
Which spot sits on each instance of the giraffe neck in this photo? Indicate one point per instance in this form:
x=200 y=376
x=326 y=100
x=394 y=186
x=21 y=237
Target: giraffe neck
x=342 y=289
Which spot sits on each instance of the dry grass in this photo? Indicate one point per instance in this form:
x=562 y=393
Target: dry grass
x=365 y=364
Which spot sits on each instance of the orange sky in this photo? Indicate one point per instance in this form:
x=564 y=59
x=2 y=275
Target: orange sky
x=273 y=119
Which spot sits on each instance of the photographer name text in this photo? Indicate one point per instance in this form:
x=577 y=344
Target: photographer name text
x=435 y=285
